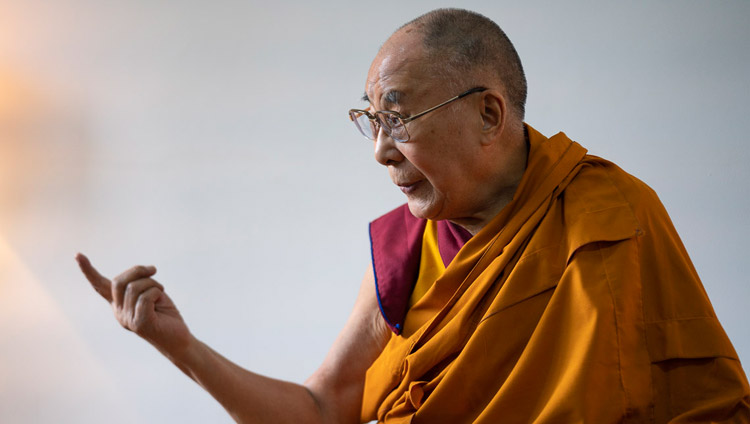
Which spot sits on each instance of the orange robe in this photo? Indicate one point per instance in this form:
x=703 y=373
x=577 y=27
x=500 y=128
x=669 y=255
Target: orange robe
x=577 y=303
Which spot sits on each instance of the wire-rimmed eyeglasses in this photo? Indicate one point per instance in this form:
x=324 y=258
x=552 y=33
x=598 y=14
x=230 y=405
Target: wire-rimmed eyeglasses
x=393 y=123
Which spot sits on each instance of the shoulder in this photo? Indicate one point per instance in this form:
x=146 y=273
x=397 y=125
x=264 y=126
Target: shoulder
x=603 y=203
x=601 y=184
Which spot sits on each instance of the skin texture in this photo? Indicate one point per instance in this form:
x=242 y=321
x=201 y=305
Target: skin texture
x=333 y=394
x=462 y=163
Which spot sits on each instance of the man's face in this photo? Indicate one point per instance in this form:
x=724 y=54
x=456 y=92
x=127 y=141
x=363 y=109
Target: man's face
x=436 y=167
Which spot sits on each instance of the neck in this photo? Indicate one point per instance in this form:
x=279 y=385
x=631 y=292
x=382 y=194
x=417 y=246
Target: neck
x=475 y=223
x=503 y=195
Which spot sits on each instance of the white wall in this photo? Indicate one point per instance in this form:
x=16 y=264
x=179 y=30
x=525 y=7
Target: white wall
x=212 y=141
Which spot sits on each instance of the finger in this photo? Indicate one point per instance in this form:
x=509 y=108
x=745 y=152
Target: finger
x=135 y=289
x=120 y=282
x=144 y=307
x=99 y=282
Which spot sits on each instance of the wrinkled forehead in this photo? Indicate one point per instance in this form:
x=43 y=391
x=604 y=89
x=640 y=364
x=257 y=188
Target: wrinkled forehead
x=399 y=72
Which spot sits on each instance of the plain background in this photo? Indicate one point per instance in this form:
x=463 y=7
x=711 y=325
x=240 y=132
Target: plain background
x=211 y=139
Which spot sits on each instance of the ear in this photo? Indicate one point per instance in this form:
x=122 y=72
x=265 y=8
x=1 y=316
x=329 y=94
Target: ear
x=493 y=113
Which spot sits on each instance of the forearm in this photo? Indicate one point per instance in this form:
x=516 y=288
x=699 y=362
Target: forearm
x=248 y=397
x=141 y=305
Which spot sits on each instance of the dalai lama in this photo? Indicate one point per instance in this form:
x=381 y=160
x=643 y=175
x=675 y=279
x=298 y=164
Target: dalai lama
x=523 y=281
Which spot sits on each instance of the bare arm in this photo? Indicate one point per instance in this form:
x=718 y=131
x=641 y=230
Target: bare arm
x=341 y=377
x=333 y=394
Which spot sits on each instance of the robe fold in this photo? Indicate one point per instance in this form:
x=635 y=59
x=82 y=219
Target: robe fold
x=576 y=303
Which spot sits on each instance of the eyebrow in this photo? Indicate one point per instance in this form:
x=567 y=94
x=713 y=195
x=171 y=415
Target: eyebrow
x=392 y=97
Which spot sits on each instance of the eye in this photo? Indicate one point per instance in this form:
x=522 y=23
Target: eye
x=391 y=120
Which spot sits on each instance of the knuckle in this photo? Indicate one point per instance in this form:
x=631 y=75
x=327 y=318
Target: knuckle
x=129 y=291
x=119 y=283
x=152 y=284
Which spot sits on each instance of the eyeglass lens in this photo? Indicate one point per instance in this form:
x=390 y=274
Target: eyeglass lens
x=367 y=127
x=391 y=124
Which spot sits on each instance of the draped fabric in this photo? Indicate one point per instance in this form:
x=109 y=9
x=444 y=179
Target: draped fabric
x=396 y=240
x=431 y=263
x=577 y=303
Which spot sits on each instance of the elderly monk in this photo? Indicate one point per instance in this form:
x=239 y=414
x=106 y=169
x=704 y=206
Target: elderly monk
x=525 y=281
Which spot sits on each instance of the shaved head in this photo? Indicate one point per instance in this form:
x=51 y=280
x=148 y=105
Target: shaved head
x=464 y=43
x=464 y=161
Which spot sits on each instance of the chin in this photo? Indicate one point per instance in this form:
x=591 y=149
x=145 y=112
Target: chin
x=422 y=210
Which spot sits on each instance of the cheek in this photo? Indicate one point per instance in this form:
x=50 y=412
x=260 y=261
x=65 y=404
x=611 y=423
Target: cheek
x=438 y=153
x=433 y=162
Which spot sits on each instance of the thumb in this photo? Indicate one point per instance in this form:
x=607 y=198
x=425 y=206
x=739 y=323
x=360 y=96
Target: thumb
x=99 y=282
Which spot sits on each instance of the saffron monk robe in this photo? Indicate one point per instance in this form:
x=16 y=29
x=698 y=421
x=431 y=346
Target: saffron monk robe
x=524 y=282
x=577 y=303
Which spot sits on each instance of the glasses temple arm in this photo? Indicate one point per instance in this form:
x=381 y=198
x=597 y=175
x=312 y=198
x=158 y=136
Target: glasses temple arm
x=452 y=99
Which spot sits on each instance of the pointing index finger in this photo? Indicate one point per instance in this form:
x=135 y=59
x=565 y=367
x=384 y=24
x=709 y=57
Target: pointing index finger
x=100 y=283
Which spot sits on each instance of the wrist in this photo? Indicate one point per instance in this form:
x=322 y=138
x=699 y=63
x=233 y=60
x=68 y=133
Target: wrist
x=192 y=359
x=184 y=353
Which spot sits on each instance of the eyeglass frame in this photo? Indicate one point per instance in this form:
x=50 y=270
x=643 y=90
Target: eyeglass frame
x=372 y=116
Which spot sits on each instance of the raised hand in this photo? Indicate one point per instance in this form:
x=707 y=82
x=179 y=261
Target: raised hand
x=141 y=305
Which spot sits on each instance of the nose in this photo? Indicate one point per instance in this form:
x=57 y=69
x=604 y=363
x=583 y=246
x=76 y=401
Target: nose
x=386 y=152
